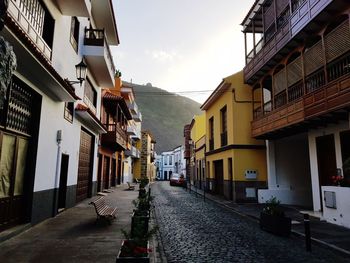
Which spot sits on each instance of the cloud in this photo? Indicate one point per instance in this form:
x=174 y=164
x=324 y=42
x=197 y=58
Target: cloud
x=162 y=55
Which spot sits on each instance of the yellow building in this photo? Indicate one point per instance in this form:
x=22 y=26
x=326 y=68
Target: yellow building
x=145 y=167
x=197 y=162
x=235 y=162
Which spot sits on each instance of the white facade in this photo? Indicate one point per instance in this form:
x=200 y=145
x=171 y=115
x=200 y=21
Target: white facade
x=46 y=78
x=295 y=174
x=179 y=160
x=171 y=162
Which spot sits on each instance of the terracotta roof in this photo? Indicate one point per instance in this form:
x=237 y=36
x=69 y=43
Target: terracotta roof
x=39 y=55
x=83 y=108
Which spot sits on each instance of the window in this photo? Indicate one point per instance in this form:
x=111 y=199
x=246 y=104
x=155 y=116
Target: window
x=90 y=95
x=223 y=113
x=74 y=33
x=170 y=160
x=165 y=160
x=68 y=111
x=223 y=119
x=211 y=134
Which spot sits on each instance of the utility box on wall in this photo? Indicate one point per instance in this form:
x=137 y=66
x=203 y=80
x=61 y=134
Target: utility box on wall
x=330 y=199
x=251 y=174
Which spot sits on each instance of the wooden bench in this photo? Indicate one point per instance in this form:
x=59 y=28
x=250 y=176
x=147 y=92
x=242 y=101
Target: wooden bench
x=130 y=187
x=104 y=211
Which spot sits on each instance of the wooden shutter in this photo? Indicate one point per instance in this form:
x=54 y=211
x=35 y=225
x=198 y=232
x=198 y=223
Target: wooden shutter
x=280 y=82
x=294 y=72
x=337 y=42
x=313 y=58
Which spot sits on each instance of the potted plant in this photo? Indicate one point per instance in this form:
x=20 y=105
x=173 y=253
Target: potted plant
x=135 y=248
x=273 y=220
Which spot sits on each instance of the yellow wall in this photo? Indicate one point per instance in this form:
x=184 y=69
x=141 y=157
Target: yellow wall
x=239 y=116
x=198 y=130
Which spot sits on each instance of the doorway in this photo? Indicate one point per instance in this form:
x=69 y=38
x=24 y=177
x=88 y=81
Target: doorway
x=230 y=177
x=114 y=170
x=165 y=175
x=326 y=160
x=106 y=174
x=119 y=169
x=219 y=177
x=62 y=190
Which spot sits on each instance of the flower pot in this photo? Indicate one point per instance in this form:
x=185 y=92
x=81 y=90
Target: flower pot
x=275 y=224
x=131 y=252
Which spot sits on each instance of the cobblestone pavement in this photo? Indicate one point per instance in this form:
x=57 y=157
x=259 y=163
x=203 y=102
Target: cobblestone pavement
x=196 y=231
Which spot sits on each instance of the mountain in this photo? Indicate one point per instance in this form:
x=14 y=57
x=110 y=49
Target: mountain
x=164 y=114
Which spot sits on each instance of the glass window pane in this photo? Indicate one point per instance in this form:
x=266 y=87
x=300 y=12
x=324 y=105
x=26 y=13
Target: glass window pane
x=20 y=166
x=6 y=163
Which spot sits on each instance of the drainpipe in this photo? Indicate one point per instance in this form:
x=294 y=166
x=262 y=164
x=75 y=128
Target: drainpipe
x=241 y=101
x=57 y=173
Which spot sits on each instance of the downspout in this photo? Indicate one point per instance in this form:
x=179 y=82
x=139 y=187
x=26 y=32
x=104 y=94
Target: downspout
x=242 y=101
x=57 y=173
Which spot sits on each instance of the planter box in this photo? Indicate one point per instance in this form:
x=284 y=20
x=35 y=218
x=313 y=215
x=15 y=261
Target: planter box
x=139 y=224
x=127 y=258
x=278 y=225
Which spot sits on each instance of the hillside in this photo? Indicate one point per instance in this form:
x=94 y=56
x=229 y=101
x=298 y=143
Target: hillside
x=164 y=114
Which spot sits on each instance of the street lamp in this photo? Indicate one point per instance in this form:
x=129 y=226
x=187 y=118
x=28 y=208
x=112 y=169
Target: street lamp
x=80 y=72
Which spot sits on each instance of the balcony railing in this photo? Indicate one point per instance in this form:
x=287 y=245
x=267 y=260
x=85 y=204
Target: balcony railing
x=323 y=96
x=115 y=137
x=315 y=81
x=303 y=11
x=97 y=37
x=31 y=23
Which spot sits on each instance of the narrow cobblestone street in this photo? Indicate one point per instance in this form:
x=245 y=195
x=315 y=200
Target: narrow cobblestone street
x=196 y=231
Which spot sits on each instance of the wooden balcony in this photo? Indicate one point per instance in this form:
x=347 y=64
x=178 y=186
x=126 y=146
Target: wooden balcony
x=315 y=104
x=115 y=138
x=294 y=28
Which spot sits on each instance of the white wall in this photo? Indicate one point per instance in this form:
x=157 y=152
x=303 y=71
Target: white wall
x=64 y=59
x=288 y=171
x=341 y=214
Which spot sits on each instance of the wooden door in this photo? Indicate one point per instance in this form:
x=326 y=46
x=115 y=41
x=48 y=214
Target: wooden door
x=326 y=160
x=219 y=177
x=85 y=166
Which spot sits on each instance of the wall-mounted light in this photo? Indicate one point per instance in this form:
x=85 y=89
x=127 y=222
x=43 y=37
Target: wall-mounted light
x=80 y=72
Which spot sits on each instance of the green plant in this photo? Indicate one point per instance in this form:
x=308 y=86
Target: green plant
x=143 y=182
x=117 y=74
x=136 y=244
x=272 y=207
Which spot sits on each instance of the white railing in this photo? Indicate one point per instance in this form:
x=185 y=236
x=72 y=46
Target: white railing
x=14 y=10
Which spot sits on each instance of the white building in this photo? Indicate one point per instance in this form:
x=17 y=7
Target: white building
x=179 y=160
x=51 y=129
x=172 y=162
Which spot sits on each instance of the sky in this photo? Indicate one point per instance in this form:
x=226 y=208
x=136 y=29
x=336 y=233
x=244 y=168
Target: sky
x=180 y=45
